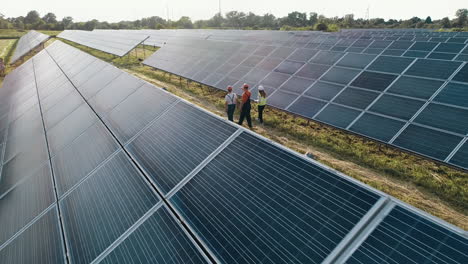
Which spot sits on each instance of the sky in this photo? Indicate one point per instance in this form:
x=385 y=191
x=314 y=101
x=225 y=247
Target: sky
x=117 y=10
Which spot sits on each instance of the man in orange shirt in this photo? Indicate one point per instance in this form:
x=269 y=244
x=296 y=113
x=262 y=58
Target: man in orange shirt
x=245 y=106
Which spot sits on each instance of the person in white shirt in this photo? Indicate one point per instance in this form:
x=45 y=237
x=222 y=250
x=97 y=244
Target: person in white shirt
x=230 y=103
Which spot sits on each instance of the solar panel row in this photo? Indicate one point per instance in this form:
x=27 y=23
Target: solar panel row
x=415 y=104
x=166 y=36
x=28 y=42
x=109 y=42
x=128 y=139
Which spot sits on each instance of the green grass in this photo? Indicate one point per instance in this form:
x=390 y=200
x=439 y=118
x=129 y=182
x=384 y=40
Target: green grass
x=448 y=184
x=5 y=46
x=9 y=52
x=17 y=33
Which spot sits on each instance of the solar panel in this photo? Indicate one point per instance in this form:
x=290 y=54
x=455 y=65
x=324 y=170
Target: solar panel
x=93 y=218
x=27 y=43
x=39 y=243
x=109 y=42
x=405 y=237
x=281 y=210
x=409 y=70
x=166 y=189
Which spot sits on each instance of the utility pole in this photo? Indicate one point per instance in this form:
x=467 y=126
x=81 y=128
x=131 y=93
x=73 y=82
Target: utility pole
x=219 y=6
x=167 y=11
x=367 y=14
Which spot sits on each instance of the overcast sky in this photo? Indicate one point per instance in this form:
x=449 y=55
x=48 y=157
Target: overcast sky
x=117 y=10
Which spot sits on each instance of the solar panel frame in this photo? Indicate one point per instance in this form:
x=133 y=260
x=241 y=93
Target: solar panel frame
x=27 y=43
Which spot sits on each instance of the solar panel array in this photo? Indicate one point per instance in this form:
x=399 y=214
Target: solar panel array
x=28 y=42
x=100 y=166
x=114 y=42
x=407 y=90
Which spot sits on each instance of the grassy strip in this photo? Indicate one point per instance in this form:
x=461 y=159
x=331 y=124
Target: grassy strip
x=5 y=46
x=10 y=52
x=16 y=33
x=446 y=183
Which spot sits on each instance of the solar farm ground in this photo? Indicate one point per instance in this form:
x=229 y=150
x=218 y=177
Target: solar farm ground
x=5 y=47
x=440 y=190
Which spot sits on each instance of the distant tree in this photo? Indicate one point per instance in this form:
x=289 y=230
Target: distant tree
x=415 y=20
x=67 y=22
x=445 y=22
x=50 y=18
x=90 y=25
x=235 y=19
x=40 y=24
x=376 y=21
x=420 y=24
x=321 y=27
x=216 y=21
x=252 y=20
x=428 y=20
x=313 y=18
x=184 y=22
x=200 y=24
x=462 y=17
x=32 y=17
x=18 y=23
x=153 y=21
x=348 y=20
x=295 y=19
x=268 y=21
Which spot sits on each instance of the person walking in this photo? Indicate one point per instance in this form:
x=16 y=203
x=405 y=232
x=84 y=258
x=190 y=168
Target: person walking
x=261 y=103
x=230 y=103
x=245 y=106
x=2 y=68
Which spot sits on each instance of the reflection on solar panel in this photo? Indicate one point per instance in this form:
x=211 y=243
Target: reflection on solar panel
x=110 y=42
x=143 y=176
x=342 y=77
x=28 y=42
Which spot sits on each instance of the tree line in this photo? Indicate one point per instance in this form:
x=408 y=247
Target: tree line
x=237 y=20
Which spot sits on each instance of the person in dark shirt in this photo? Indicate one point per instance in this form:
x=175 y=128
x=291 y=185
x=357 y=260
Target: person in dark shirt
x=245 y=106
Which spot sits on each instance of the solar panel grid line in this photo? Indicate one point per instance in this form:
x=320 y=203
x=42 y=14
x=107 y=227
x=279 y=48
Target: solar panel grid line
x=414 y=238
x=266 y=240
x=423 y=251
x=152 y=122
x=200 y=166
x=135 y=46
x=433 y=49
x=290 y=77
x=360 y=232
x=127 y=233
x=438 y=129
x=456 y=149
x=345 y=87
x=426 y=104
x=198 y=244
x=379 y=96
x=59 y=215
x=226 y=62
x=89 y=174
x=5 y=192
x=25 y=227
x=323 y=74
